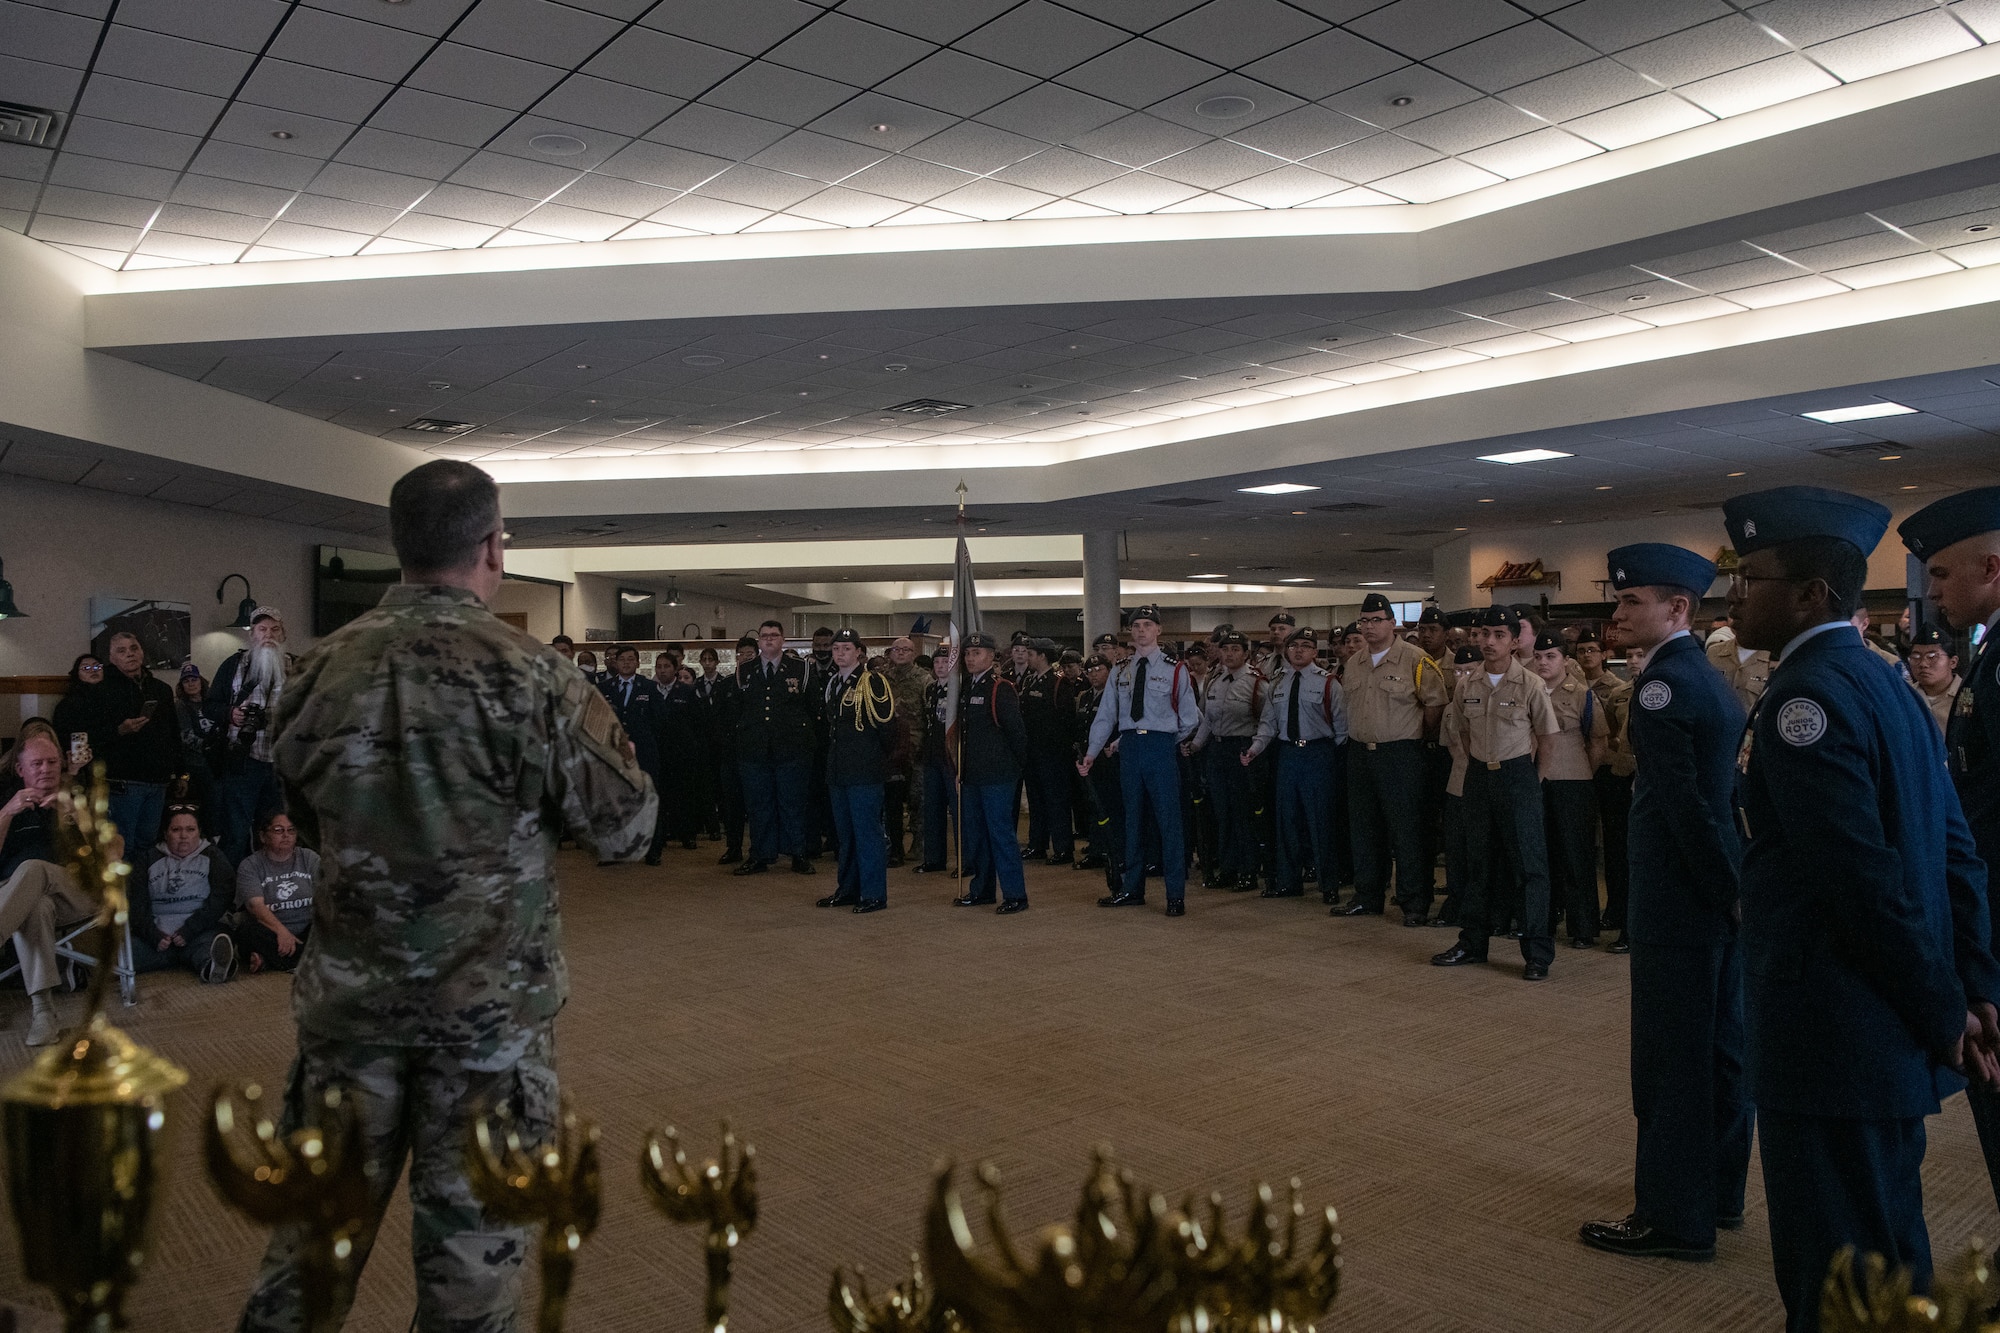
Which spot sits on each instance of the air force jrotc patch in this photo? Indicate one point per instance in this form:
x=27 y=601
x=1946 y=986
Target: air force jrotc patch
x=1655 y=695
x=1801 y=722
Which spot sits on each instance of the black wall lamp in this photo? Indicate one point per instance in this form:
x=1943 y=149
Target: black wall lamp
x=8 y=611
x=245 y=608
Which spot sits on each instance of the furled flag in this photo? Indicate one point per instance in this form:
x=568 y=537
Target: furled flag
x=964 y=620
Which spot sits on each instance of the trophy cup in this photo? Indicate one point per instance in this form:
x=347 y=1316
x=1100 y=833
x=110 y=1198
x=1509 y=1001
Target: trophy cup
x=555 y=1184
x=1258 y=1284
x=722 y=1196
x=318 y=1178
x=1883 y=1304
x=82 y=1119
x=908 y=1308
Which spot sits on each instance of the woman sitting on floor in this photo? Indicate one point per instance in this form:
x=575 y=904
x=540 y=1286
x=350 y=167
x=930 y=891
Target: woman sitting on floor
x=274 y=887
x=179 y=895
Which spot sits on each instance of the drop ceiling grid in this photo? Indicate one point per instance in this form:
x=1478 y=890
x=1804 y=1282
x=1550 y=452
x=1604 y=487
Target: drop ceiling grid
x=1032 y=374
x=410 y=123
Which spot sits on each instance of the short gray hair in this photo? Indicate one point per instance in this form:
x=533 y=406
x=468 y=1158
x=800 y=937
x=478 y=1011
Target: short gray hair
x=439 y=514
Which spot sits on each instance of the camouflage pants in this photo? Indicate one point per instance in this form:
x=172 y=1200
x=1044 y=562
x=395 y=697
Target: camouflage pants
x=419 y=1102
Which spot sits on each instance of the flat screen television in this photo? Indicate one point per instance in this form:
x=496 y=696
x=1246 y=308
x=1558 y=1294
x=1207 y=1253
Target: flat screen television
x=347 y=582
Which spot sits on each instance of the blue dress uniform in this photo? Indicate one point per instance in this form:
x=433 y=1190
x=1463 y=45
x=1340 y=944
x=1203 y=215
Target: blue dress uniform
x=1229 y=715
x=1149 y=705
x=993 y=749
x=1305 y=718
x=860 y=713
x=1864 y=931
x=1972 y=733
x=641 y=709
x=776 y=722
x=1685 y=729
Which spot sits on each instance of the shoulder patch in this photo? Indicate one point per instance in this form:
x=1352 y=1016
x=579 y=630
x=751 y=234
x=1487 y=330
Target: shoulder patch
x=1655 y=694
x=1801 y=722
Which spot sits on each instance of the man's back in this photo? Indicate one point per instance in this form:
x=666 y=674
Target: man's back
x=441 y=753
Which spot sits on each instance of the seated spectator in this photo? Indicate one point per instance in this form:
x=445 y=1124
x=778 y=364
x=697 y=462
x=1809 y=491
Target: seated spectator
x=274 y=887
x=38 y=895
x=179 y=895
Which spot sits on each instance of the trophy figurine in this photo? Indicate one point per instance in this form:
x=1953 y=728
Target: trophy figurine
x=83 y=1118
x=1883 y=1303
x=318 y=1179
x=908 y=1308
x=1267 y=1285
x=721 y=1196
x=556 y=1184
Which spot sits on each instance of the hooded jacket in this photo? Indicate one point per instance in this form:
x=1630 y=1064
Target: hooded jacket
x=181 y=895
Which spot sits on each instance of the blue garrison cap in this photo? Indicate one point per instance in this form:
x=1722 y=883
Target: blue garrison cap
x=1649 y=564
x=1951 y=520
x=1791 y=513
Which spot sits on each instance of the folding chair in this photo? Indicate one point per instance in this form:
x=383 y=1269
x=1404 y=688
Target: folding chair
x=76 y=963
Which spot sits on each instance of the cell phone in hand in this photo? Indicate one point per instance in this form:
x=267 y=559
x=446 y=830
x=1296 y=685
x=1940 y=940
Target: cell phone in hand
x=150 y=707
x=79 y=748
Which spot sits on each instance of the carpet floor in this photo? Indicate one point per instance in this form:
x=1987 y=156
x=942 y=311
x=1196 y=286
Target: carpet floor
x=1463 y=1122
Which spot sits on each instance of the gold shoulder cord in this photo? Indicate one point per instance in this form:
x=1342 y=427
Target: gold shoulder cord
x=879 y=708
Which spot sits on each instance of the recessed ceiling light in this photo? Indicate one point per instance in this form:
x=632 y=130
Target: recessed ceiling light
x=440 y=384
x=1277 y=488
x=281 y=134
x=1736 y=474
x=1379 y=583
x=1295 y=580
x=881 y=129
x=1525 y=456
x=1401 y=101
x=1298 y=513
x=896 y=366
x=1224 y=108
x=1641 y=297
x=557 y=145
x=1603 y=488
x=1909 y=488
x=1461 y=529
x=1860 y=412
x=1487 y=501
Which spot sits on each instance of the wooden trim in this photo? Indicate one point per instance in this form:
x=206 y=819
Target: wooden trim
x=34 y=684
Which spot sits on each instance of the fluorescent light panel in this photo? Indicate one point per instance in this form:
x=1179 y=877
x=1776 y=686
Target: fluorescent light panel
x=1833 y=416
x=1382 y=583
x=1208 y=576
x=1277 y=488
x=1525 y=456
x=1295 y=580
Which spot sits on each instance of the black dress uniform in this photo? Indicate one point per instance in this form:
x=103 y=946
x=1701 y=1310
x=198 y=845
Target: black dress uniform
x=993 y=748
x=1864 y=931
x=1102 y=791
x=727 y=701
x=777 y=722
x=1685 y=728
x=1972 y=733
x=641 y=709
x=1048 y=713
x=860 y=734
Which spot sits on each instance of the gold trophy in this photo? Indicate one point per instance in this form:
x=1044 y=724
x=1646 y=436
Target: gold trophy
x=1258 y=1284
x=722 y=1196
x=1884 y=1304
x=556 y=1184
x=908 y=1308
x=318 y=1178
x=82 y=1120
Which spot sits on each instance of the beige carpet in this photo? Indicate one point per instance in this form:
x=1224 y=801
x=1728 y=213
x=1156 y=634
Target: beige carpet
x=1463 y=1122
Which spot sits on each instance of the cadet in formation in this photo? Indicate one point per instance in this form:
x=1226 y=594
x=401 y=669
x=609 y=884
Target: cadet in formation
x=1148 y=709
x=1305 y=717
x=435 y=755
x=1395 y=698
x=992 y=751
x=860 y=742
x=1687 y=978
x=1229 y=714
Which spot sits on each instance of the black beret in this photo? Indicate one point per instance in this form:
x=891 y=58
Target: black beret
x=979 y=638
x=1497 y=617
x=1284 y=618
x=1147 y=612
x=1302 y=636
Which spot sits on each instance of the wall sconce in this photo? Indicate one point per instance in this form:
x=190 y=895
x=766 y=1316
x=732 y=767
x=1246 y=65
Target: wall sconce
x=243 y=609
x=8 y=611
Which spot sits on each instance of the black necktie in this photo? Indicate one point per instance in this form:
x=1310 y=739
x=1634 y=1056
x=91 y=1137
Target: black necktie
x=1292 y=709
x=628 y=695
x=1139 y=692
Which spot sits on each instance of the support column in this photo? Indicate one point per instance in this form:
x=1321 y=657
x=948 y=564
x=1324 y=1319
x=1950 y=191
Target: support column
x=1100 y=585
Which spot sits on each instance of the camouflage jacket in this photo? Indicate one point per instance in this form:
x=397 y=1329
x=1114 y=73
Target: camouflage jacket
x=908 y=683
x=434 y=754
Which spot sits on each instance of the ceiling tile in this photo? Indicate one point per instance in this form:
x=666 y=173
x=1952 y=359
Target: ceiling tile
x=1696 y=53
x=1635 y=122
x=485 y=76
x=817 y=156
x=432 y=18
x=1895 y=45
x=1195 y=108
x=514 y=175
x=1513 y=56
x=39 y=83
x=710 y=129
x=440 y=231
x=1538 y=151
x=403 y=153
x=1139 y=15
x=1135 y=192
x=574 y=224
x=340 y=214
x=76 y=231
x=229 y=196
x=601 y=104
x=771 y=91
x=1052 y=113
x=926 y=18
x=1473 y=125
x=1371 y=159
x=129 y=143
x=1286 y=187
x=1216 y=164
x=1439 y=180
x=662 y=165
x=1234 y=32
x=755 y=186
x=110 y=98
x=745 y=26
x=908 y=179
x=243 y=24
x=322 y=92
x=1420 y=29
x=1758 y=85
x=519 y=140
x=157 y=58
x=663 y=63
x=466 y=204
x=1302 y=133
x=535 y=30
x=66 y=202
x=432 y=115
x=1139 y=73
x=848 y=208
x=879 y=122
x=1613 y=25
x=1803 y=22
x=974 y=147
x=1582 y=90
x=1041 y=38
x=185 y=220
x=716 y=216
x=1427 y=91
x=1059 y=171
x=838 y=47
x=992 y=200
x=1320 y=66
x=956 y=82
x=198 y=249
x=1137 y=140
x=366 y=185
x=333 y=41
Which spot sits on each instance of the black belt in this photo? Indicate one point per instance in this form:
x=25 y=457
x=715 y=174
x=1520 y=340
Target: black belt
x=1383 y=745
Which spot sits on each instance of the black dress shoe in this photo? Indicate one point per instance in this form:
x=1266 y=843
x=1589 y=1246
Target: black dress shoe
x=1359 y=909
x=1415 y=919
x=1620 y=945
x=895 y=863
x=1456 y=956
x=1062 y=858
x=1029 y=854
x=688 y=844
x=1176 y=907
x=751 y=868
x=835 y=900
x=729 y=858
x=1535 y=972
x=1011 y=906
x=1090 y=862
x=1331 y=897
x=1122 y=899
x=1243 y=884
x=652 y=858
x=1153 y=871
x=870 y=905
x=1275 y=892
x=1733 y=1222
x=1590 y=943
x=1631 y=1236
x=929 y=868
x=803 y=866
x=969 y=901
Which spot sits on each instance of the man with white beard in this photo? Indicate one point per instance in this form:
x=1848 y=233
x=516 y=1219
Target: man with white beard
x=243 y=698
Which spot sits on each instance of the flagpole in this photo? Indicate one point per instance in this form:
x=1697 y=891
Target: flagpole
x=958 y=764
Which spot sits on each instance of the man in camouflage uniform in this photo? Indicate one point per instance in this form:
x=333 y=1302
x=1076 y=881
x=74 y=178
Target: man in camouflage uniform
x=435 y=754
x=907 y=681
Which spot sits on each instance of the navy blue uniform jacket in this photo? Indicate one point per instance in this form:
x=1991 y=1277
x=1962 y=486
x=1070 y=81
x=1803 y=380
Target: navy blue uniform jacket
x=1973 y=741
x=857 y=745
x=1685 y=727
x=1864 y=905
x=777 y=716
x=994 y=739
x=641 y=717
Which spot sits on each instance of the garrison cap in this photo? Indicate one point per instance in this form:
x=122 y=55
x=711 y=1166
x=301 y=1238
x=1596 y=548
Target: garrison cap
x=1103 y=639
x=1588 y=635
x=1792 y=513
x=1431 y=616
x=1147 y=612
x=1096 y=660
x=1545 y=641
x=1374 y=601
x=1465 y=657
x=979 y=638
x=1018 y=636
x=1497 y=617
x=1351 y=627
x=848 y=636
x=1654 y=564
x=1945 y=522
x=1930 y=636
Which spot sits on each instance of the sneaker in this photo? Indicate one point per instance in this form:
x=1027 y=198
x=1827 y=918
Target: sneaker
x=221 y=964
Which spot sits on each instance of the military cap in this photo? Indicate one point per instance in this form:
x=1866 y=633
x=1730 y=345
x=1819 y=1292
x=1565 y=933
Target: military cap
x=979 y=638
x=1233 y=637
x=1215 y=635
x=1431 y=616
x=1018 y=636
x=848 y=636
x=1147 y=612
x=1284 y=618
x=1103 y=639
x=1497 y=617
x=1352 y=627
x=1588 y=635
x=1930 y=636
x=1465 y=656
x=1305 y=635
x=1042 y=646
x=1070 y=657
x=1653 y=564
x=1792 y=513
x=1945 y=522
x=1196 y=649
x=1096 y=660
x=747 y=641
x=1374 y=601
x=1546 y=641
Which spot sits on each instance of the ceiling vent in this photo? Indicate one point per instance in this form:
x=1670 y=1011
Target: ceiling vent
x=1378 y=550
x=1184 y=501
x=439 y=426
x=1875 y=448
x=36 y=125
x=1345 y=507
x=927 y=407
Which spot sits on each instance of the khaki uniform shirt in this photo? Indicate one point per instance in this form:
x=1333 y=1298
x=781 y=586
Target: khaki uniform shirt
x=1616 y=705
x=435 y=754
x=1232 y=705
x=1942 y=702
x=1747 y=676
x=1387 y=702
x=1496 y=723
x=1567 y=757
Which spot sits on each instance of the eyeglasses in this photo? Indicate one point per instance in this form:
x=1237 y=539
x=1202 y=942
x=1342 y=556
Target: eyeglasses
x=1373 y=620
x=89 y=666
x=1739 y=582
